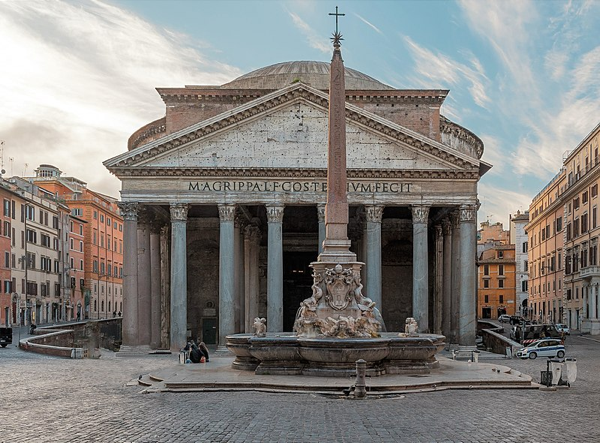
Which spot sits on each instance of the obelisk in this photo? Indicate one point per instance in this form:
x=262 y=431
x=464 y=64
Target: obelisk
x=336 y=247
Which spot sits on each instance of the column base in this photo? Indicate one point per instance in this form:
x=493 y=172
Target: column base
x=134 y=351
x=590 y=326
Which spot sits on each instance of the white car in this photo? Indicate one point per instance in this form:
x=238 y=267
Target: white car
x=504 y=318
x=548 y=347
x=562 y=328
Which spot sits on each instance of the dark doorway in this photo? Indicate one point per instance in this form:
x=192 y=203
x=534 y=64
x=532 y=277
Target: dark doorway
x=297 y=282
x=209 y=330
x=486 y=313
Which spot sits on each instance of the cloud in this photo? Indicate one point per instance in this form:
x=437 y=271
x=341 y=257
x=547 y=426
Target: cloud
x=438 y=70
x=497 y=203
x=314 y=39
x=494 y=154
x=368 y=23
x=83 y=75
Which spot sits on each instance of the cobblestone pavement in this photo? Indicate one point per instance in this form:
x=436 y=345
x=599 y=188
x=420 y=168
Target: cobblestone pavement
x=45 y=399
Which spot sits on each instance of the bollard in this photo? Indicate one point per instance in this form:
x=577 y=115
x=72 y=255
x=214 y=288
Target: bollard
x=360 y=390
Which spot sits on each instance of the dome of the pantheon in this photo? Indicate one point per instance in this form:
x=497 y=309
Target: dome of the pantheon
x=315 y=74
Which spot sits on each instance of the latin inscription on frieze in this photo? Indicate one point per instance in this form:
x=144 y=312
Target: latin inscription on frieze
x=296 y=186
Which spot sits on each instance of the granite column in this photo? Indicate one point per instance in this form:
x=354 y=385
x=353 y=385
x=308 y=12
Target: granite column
x=226 y=273
x=420 y=217
x=447 y=284
x=155 y=286
x=275 y=269
x=468 y=286
x=129 y=211
x=179 y=328
x=374 y=215
x=251 y=274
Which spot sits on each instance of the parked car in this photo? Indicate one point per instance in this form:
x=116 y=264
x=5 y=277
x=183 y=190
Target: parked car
x=5 y=336
x=562 y=328
x=548 y=347
x=504 y=318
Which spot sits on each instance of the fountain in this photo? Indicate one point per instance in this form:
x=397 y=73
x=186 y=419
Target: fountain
x=337 y=325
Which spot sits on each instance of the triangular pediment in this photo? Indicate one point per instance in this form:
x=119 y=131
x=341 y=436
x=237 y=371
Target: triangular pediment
x=288 y=129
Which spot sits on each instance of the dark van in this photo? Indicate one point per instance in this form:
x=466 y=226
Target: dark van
x=5 y=336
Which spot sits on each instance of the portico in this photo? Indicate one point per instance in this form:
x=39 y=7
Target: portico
x=224 y=215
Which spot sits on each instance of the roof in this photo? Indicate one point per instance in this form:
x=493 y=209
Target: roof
x=315 y=74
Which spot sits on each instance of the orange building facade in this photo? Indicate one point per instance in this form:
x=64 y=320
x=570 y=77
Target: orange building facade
x=102 y=227
x=545 y=231
x=496 y=292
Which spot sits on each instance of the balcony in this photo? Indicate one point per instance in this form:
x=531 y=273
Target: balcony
x=590 y=272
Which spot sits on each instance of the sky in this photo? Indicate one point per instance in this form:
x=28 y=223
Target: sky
x=77 y=78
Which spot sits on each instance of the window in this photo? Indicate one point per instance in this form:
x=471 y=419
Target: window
x=72 y=244
x=29 y=212
x=500 y=269
x=594 y=190
x=95 y=266
x=486 y=283
x=101 y=218
x=31 y=236
x=501 y=299
x=500 y=254
x=524 y=286
x=108 y=221
x=81 y=265
x=576 y=228
x=7 y=286
x=525 y=266
x=594 y=217
x=31 y=260
x=559 y=224
x=486 y=269
x=486 y=299
x=584 y=197
x=525 y=246
x=576 y=203
x=6 y=208
x=95 y=215
x=80 y=229
x=6 y=259
x=55 y=222
x=7 y=229
x=584 y=223
x=45 y=240
x=547 y=231
x=77 y=212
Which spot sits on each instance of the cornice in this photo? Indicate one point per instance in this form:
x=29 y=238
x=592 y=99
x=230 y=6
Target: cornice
x=275 y=100
x=472 y=174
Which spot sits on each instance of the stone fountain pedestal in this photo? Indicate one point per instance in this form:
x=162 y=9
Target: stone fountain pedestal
x=281 y=354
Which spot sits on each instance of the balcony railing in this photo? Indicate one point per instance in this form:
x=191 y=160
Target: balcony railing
x=590 y=271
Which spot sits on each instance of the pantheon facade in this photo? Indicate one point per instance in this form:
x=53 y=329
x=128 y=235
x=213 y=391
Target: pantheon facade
x=223 y=201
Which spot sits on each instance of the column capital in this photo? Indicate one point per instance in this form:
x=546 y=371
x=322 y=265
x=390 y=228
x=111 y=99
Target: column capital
x=275 y=213
x=321 y=212
x=129 y=210
x=438 y=231
x=468 y=213
x=226 y=212
x=179 y=211
x=252 y=233
x=374 y=213
x=420 y=213
x=455 y=219
x=446 y=226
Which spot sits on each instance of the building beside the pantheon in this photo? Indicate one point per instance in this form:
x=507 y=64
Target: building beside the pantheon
x=223 y=201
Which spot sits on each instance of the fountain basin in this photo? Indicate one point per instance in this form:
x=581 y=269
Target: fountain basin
x=281 y=353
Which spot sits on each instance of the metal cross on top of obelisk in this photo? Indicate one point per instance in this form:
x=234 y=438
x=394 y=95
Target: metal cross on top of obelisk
x=336 y=18
x=337 y=37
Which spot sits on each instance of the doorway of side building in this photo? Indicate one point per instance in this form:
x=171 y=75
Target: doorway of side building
x=297 y=282
x=486 y=312
x=501 y=311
